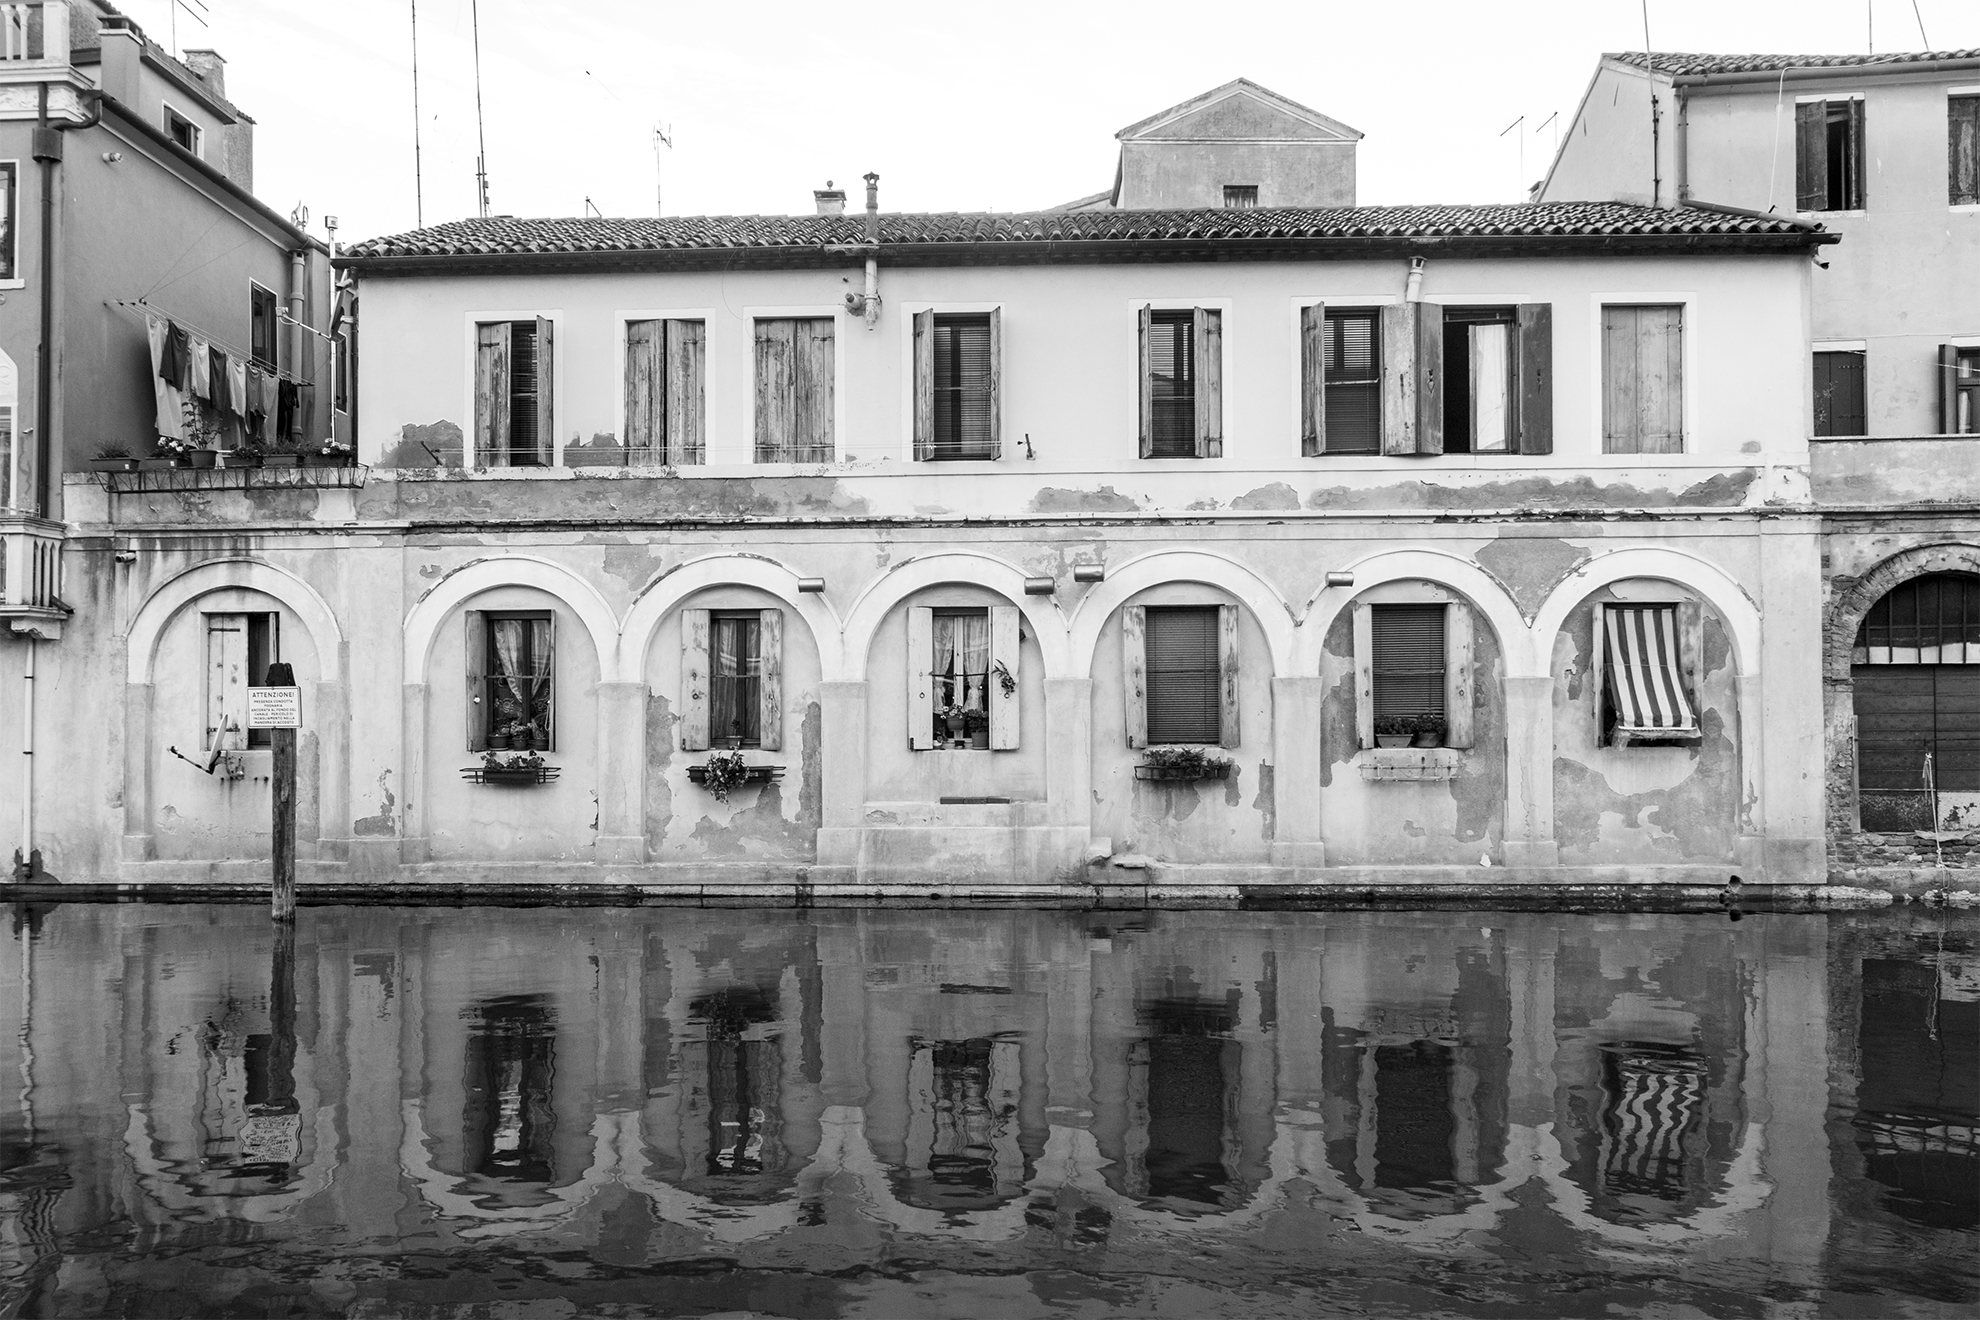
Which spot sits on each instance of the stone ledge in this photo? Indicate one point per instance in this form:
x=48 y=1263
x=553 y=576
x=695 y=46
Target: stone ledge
x=1421 y=764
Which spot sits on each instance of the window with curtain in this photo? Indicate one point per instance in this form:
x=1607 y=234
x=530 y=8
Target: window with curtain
x=962 y=676
x=1352 y=358
x=962 y=388
x=1408 y=662
x=519 y=679
x=735 y=658
x=1172 y=383
x=1185 y=677
x=1478 y=380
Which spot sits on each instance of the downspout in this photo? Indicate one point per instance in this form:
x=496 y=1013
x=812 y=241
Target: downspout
x=48 y=154
x=1683 y=145
x=1656 y=147
x=27 y=859
x=298 y=274
x=872 y=250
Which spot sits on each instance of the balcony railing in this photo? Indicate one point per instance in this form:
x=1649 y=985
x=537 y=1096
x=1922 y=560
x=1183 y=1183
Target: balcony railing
x=31 y=575
x=36 y=31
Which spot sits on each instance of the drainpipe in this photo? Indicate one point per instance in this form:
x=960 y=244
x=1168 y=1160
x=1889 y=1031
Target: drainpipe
x=872 y=250
x=1683 y=146
x=298 y=277
x=26 y=861
x=1413 y=286
x=48 y=154
x=1656 y=148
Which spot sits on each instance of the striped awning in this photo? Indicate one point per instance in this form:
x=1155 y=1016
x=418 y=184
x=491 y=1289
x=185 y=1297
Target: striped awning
x=1640 y=657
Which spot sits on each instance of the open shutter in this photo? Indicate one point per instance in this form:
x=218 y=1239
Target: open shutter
x=475 y=653
x=1147 y=321
x=1134 y=672
x=770 y=680
x=687 y=436
x=1227 y=675
x=646 y=400
x=996 y=383
x=1811 y=155
x=695 y=680
x=1458 y=686
x=924 y=385
x=491 y=393
x=1364 y=675
x=1533 y=379
x=1313 y=380
x=1948 y=389
x=1963 y=150
x=813 y=402
x=1207 y=330
x=1399 y=420
x=1429 y=378
x=921 y=677
x=1858 y=193
x=1004 y=649
x=226 y=682
x=546 y=391
x=545 y=631
x=1691 y=648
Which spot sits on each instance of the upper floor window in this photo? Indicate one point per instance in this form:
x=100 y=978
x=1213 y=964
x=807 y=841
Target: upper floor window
x=1963 y=150
x=794 y=390
x=1182 y=392
x=263 y=321
x=1839 y=395
x=1959 y=390
x=1350 y=369
x=514 y=383
x=1241 y=196
x=1828 y=149
x=665 y=417
x=182 y=130
x=9 y=220
x=1643 y=379
x=958 y=361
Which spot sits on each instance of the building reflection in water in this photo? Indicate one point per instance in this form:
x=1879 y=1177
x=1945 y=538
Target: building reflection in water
x=659 y=1084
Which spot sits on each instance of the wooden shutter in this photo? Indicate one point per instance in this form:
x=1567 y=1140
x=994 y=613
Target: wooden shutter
x=546 y=391
x=1134 y=671
x=812 y=402
x=1839 y=398
x=770 y=680
x=1811 y=156
x=1948 y=389
x=1963 y=150
x=646 y=395
x=1227 y=675
x=1400 y=424
x=1856 y=194
x=546 y=667
x=1207 y=332
x=775 y=387
x=920 y=678
x=1532 y=399
x=1147 y=321
x=1429 y=378
x=1642 y=380
x=491 y=394
x=696 y=680
x=1313 y=380
x=1005 y=646
x=1364 y=675
x=226 y=682
x=924 y=385
x=1459 y=722
x=996 y=383
x=474 y=652
x=687 y=355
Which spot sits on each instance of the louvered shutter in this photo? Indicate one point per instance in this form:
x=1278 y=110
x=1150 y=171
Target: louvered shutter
x=1811 y=155
x=696 y=680
x=686 y=434
x=920 y=678
x=1005 y=646
x=996 y=384
x=491 y=394
x=1184 y=672
x=226 y=682
x=770 y=680
x=474 y=652
x=812 y=405
x=1207 y=331
x=546 y=391
x=1533 y=388
x=1313 y=380
x=1146 y=324
x=646 y=398
x=1134 y=673
x=924 y=385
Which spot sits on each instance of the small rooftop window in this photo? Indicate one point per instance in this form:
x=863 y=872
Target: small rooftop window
x=182 y=130
x=1240 y=196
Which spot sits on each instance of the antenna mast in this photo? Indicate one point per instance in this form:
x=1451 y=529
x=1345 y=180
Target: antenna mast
x=419 y=189
x=663 y=136
x=480 y=131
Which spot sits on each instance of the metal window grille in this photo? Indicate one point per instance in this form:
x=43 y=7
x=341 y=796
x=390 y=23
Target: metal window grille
x=1241 y=196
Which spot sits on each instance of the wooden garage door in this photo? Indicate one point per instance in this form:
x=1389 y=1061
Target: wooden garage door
x=1904 y=711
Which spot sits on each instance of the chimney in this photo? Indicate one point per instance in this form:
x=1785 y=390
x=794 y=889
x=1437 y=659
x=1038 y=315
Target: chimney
x=212 y=70
x=829 y=200
x=873 y=208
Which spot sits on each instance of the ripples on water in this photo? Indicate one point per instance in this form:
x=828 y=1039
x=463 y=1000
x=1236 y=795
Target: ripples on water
x=444 y=1112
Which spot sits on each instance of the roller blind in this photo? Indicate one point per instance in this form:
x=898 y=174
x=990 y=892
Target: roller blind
x=1408 y=660
x=1184 y=675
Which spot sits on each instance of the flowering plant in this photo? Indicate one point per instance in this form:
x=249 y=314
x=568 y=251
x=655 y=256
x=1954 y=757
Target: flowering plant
x=335 y=448
x=725 y=771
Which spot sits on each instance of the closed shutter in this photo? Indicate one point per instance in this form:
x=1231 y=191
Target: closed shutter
x=1963 y=150
x=1811 y=156
x=226 y=682
x=1313 y=380
x=775 y=390
x=1208 y=352
x=924 y=385
x=1134 y=673
x=770 y=680
x=686 y=435
x=696 y=680
x=474 y=651
x=491 y=394
x=921 y=677
x=1407 y=659
x=1005 y=644
x=1185 y=687
x=1839 y=395
x=1533 y=367
x=646 y=393
x=813 y=402
x=1643 y=380
x=1145 y=332
x=546 y=391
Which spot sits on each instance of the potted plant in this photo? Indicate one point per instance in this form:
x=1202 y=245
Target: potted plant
x=724 y=772
x=168 y=453
x=977 y=724
x=1394 y=730
x=199 y=456
x=539 y=737
x=955 y=718
x=113 y=458
x=246 y=454
x=330 y=453
x=280 y=458
x=498 y=737
x=516 y=769
x=1182 y=763
x=1429 y=731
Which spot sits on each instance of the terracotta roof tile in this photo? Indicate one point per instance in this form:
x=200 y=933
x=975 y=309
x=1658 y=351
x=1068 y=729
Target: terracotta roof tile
x=1679 y=64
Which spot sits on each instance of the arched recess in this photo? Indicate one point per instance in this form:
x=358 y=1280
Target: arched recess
x=1850 y=604
x=665 y=593
x=1485 y=592
x=1735 y=608
x=445 y=596
x=1048 y=623
x=176 y=593
x=1159 y=567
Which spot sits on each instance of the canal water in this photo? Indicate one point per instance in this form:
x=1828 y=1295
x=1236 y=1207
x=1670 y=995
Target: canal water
x=503 y=1113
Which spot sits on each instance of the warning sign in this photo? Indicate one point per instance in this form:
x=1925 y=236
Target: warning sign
x=274 y=708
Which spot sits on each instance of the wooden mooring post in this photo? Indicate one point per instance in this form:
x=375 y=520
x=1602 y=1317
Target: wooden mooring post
x=283 y=852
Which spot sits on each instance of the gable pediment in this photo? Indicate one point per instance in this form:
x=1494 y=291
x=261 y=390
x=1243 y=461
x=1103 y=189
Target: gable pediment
x=1239 y=111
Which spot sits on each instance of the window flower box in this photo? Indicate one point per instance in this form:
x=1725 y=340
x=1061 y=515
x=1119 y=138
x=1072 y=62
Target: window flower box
x=512 y=776
x=1182 y=764
x=755 y=774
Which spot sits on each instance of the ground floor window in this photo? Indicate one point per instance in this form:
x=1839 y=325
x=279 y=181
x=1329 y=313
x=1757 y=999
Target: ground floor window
x=1916 y=683
x=736 y=653
x=1184 y=675
x=239 y=649
x=962 y=676
x=1408 y=659
x=511 y=680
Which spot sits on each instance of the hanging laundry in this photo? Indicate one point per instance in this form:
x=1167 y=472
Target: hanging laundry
x=259 y=404
x=170 y=424
x=237 y=387
x=217 y=394
x=199 y=363
x=288 y=419
x=172 y=367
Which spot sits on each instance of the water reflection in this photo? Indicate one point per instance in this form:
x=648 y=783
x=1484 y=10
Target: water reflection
x=833 y=1113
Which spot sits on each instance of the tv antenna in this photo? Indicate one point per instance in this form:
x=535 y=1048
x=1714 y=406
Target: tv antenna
x=174 y=7
x=480 y=130
x=1521 y=139
x=419 y=188
x=663 y=136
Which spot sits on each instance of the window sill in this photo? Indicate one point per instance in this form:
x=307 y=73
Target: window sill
x=1409 y=764
x=1661 y=738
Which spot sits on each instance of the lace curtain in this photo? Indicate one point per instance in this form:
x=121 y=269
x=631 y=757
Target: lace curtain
x=962 y=660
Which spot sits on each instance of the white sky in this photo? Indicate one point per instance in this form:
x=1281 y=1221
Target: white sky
x=958 y=107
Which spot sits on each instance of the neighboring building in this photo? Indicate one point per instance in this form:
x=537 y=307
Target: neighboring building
x=1883 y=150
x=125 y=207
x=1239 y=146
x=955 y=557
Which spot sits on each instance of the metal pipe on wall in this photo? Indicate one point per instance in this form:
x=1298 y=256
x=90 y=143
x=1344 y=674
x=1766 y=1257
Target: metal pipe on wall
x=25 y=867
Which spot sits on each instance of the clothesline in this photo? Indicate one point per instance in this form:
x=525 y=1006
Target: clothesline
x=149 y=311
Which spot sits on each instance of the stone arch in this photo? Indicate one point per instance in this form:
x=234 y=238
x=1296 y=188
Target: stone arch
x=1485 y=592
x=881 y=597
x=1680 y=568
x=660 y=597
x=173 y=595
x=1851 y=602
x=451 y=592
x=1160 y=567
